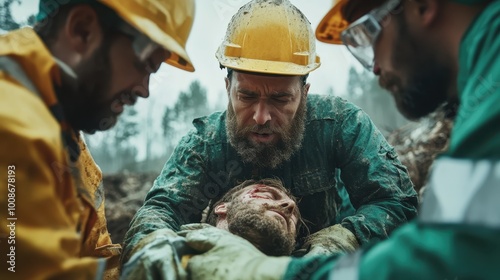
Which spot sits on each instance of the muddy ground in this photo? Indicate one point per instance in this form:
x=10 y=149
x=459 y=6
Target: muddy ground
x=125 y=194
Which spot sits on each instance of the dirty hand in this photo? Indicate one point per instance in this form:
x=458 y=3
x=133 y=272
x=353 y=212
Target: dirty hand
x=156 y=257
x=335 y=239
x=227 y=256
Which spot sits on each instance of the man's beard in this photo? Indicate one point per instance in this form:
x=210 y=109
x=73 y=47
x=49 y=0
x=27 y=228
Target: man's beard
x=429 y=80
x=267 y=155
x=264 y=232
x=85 y=100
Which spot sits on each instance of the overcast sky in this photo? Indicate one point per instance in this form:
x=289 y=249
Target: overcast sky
x=211 y=19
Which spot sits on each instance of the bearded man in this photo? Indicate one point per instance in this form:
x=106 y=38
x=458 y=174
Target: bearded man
x=75 y=71
x=425 y=52
x=273 y=128
x=263 y=212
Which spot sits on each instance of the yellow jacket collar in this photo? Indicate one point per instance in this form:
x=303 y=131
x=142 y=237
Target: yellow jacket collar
x=30 y=52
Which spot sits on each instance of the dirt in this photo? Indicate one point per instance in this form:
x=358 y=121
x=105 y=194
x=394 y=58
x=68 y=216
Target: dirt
x=418 y=144
x=125 y=194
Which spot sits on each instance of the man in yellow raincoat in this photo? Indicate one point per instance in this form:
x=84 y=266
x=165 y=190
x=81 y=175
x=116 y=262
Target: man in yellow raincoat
x=83 y=61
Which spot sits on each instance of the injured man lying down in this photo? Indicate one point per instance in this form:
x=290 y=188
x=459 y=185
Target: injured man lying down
x=263 y=212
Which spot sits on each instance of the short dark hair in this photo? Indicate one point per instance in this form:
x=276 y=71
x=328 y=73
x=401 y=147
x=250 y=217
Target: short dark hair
x=48 y=28
x=230 y=71
x=233 y=193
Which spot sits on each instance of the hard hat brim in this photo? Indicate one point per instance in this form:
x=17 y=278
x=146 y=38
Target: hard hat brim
x=178 y=58
x=332 y=25
x=267 y=67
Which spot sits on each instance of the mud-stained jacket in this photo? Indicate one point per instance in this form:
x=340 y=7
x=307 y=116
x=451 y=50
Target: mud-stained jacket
x=457 y=233
x=338 y=136
x=52 y=209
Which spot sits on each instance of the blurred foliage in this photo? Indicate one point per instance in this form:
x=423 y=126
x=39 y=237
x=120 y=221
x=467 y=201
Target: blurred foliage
x=364 y=91
x=117 y=150
x=176 y=121
x=7 y=22
x=114 y=150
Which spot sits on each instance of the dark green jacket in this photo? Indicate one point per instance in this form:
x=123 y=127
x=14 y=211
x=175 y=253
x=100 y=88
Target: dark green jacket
x=457 y=235
x=338 y=136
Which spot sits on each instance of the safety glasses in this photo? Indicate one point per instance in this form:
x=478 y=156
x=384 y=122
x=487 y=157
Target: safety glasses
x=361 y=35
x=142 y=45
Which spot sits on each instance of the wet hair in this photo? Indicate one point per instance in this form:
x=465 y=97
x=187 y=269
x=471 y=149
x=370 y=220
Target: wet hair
x=233 y=194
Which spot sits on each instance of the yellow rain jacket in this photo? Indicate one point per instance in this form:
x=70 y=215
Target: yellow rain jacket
x=52 y=223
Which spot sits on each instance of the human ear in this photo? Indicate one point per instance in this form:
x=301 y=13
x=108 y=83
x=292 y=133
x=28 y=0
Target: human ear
x=221 y=210
x=423 y=12
x=228 y=85
x=306 y=89
x=82 y=30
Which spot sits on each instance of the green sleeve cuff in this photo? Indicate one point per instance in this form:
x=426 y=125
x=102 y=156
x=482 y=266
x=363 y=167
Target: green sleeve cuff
x=313 y=268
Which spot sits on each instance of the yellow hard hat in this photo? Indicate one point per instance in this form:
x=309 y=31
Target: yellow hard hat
x=166 y=22
x=332 y=24
x=270 y=36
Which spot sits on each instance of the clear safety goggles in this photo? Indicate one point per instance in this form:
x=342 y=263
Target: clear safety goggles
x=361 y=35
x=143 y=46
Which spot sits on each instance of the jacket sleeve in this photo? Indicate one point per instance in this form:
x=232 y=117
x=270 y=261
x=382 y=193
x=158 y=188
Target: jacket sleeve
x=178 y=196
x=39 y=236
x=378 y=184
x=414 y=251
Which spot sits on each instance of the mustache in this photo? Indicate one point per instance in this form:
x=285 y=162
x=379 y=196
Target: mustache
x=282 y=210
x=266 y=128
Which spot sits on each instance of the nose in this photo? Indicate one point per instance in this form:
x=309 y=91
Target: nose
x=262 y=114
x=142 y=89
x=376 y=69
x=288 y=206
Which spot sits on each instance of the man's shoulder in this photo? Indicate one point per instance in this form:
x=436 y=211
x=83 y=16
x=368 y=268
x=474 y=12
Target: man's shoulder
x=478 y=88
x=328 y=107
x=27 y=127
x=23 y=113
x=210 y=128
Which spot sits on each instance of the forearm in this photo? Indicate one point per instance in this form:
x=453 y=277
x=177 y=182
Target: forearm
x=426 y=248
x=310 y=268
x=375 y=221
x=378 y=184
x=174 y=200
x=150 y=217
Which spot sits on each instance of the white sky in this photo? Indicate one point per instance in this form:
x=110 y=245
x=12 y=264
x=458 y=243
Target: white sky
x=211 y=19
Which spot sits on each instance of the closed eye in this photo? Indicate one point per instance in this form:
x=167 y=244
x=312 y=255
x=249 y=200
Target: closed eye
x=263 y=195
x=268 y=193
x=282 y=98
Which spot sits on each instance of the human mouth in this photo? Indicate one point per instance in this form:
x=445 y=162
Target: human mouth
x=117 y=107
x=128 y=98
x=262 y=137
x=282 y=217
x=389 y=84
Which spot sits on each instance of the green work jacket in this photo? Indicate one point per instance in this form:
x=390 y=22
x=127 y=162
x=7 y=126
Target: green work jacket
x=457 y=234
x=339 y=138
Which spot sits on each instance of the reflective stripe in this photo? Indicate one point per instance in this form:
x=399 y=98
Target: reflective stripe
x=99 y=196
x=101 y=268
x=463 y=192
x=11 y=67
x=347 y=267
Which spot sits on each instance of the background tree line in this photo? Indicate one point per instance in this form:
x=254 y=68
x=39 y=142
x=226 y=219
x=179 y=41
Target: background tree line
x=140 y=132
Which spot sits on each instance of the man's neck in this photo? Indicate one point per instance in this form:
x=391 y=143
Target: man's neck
x=457 y=18
x=222 y=224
